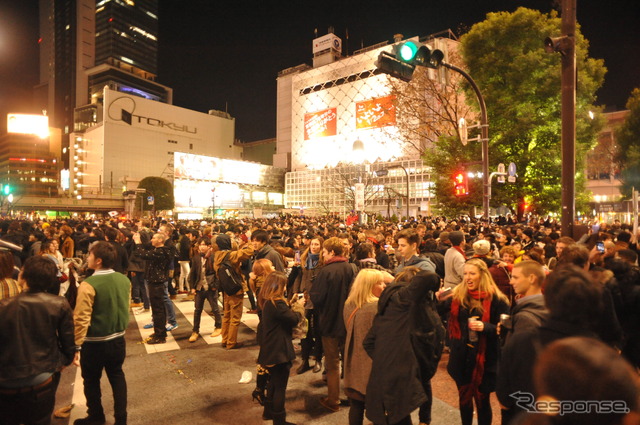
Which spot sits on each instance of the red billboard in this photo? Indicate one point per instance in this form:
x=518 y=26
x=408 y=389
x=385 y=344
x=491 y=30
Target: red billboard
x=376 y=113
x=320 y=124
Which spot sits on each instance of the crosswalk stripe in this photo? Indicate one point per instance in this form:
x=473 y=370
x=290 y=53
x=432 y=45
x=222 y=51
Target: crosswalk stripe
x=142 y=319
x=207 y=323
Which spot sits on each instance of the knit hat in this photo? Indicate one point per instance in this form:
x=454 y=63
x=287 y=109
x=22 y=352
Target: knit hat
x=481 y=247
x=456 y=238
x=224 y=242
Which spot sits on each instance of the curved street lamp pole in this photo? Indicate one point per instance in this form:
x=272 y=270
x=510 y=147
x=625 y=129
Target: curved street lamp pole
x=484 y=138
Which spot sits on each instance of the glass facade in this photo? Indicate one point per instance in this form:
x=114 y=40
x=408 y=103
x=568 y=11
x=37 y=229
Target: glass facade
x=127 y=31
x=333 y=189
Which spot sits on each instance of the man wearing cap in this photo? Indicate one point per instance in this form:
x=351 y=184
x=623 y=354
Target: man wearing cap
x=454 y=260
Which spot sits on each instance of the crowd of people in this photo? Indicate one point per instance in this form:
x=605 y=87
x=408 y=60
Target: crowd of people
x=374 y=307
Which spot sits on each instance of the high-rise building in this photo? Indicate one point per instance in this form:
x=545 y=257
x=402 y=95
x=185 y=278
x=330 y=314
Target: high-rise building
x=86 y=45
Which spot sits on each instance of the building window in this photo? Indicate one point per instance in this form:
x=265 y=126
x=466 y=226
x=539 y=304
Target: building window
x=191 y=146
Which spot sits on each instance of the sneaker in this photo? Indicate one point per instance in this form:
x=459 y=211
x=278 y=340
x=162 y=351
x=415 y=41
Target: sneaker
x=135 y=305
x=194 y=337
x=148 y=325
x=90 y=420
x=252 y=311
x=156 y=340
x=171 y=327
x=216 y=333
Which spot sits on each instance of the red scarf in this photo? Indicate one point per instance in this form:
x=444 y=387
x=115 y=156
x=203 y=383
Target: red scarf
x=461 y=251
x=470 y=390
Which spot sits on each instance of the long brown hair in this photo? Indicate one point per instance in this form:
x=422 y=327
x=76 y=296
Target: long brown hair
x=305 y=254
x=272 y=288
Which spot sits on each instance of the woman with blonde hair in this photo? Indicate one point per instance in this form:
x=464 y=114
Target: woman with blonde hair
x=276 y=347
x=359 y=310
x=476 y=306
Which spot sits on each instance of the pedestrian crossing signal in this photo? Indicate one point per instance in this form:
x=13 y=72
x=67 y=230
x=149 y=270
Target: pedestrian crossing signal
x=461 y=184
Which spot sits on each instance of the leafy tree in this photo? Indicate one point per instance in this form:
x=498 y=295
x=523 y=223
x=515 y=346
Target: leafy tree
x=162 y=192
x=628 y=154
x=521 y=85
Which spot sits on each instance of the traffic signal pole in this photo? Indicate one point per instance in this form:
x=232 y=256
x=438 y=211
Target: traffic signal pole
x=484 y=138
x=568 y=98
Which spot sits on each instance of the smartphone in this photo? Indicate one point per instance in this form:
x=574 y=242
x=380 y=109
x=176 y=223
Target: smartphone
x=387 y=246
x=600 y=247
x=300 y=296
x=297 y=258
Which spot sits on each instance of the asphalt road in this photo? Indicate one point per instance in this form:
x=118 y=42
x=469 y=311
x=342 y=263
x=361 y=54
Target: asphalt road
x=197 y=383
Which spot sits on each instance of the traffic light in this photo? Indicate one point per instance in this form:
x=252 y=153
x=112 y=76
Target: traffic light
x=406 y=56
x=388 y=64
x=461 y=184
x=418 y=54
x=6 y=189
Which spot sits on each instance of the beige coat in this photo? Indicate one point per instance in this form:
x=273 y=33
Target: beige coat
x=357 y=363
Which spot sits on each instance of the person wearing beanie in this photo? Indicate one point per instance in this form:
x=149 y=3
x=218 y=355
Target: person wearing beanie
x=527 y=239
x=481 y=250
x=232 y=304
x=454 y=260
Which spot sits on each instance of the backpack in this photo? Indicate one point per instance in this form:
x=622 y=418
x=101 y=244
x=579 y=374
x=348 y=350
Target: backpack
x=229 y=280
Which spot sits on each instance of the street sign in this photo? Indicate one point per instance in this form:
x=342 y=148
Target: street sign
x=512 y=170
x=359 y=196
x=511 y=179
x=501 y=170
x=150 y=200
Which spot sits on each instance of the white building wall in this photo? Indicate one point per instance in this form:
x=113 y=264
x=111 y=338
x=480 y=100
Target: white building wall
x=119 y=151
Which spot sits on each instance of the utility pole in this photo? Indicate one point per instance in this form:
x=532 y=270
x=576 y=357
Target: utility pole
x=568 y=117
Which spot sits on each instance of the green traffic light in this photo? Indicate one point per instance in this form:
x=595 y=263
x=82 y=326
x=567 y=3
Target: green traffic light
x=6 y=189
x=408 y=51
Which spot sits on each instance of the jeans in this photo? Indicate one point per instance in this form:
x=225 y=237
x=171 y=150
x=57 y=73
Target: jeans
x=212 y=297
x=30 y=408
x=312 y=343
x=332 y=362
x=107 y=355
x=184 y=273
x=139 y=289
x=171 y=314
x=157 y=293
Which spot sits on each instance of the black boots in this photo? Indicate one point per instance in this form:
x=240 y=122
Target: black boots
x=267 y=413
x=318 y=366
x=305 y=366
x=280 y=418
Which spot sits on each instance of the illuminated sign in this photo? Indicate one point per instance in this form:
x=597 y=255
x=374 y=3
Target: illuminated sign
x=320 y=124
x=192 y=194
x=376 y=113
x=28 y=124
x=199 y=167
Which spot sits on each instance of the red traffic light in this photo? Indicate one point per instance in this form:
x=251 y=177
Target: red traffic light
x=461 y=184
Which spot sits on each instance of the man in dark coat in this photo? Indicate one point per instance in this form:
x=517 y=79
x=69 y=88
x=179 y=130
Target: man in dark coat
x=328 y=294
x=396 y=342
x=574 y=301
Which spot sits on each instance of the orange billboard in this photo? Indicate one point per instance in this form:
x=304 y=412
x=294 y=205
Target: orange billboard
x=320 y=124
x=376 y=113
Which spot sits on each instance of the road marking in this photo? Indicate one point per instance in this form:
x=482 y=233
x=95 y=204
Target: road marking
x=142 y=319
x=80 y=403
x=207 y=323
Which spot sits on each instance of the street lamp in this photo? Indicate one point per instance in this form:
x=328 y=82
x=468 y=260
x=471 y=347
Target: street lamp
x=385 y=171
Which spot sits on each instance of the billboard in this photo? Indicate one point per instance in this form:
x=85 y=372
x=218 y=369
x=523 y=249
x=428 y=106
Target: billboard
x=320 y=124
x=28 y=124
x=376 y=113
x=199 y=167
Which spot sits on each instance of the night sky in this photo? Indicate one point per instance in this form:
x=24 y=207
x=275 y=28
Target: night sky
x=226 y=55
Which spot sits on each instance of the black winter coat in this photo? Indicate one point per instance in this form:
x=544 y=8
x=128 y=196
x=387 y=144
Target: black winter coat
x=395 y=387
x=159 y=262
x=462 y=358
x=328 y=294
x=277 y=324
